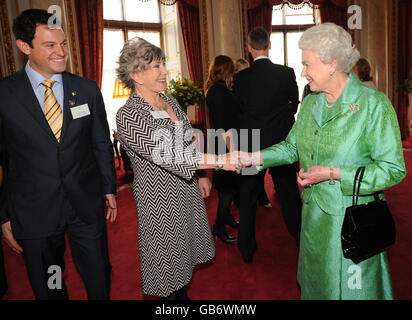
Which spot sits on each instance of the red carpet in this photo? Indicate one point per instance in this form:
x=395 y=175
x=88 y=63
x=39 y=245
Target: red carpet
x=407 y=143
x=272 y=276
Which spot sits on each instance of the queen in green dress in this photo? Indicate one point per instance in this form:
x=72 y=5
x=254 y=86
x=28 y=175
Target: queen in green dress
x=342 y=125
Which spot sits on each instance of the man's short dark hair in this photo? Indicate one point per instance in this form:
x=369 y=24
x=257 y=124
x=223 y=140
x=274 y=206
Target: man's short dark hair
x=259 y=39
x=24 y=25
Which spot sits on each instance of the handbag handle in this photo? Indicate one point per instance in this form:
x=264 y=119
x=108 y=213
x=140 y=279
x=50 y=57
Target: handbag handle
x=358 y=178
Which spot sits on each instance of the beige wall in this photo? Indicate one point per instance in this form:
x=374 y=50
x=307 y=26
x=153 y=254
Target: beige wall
x=377 y=42
x=222 y=29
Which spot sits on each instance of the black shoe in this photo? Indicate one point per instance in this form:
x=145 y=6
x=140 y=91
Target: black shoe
x=230 y=221
x=222 y=234
x=248 y=260
x=181 y=294
x=266 y=205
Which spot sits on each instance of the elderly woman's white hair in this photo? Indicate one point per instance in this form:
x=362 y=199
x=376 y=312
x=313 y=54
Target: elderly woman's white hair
x=136 y=56
x=331 y=42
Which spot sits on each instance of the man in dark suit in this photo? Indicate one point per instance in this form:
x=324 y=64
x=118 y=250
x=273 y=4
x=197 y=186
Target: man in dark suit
x=60 y=173
x=268 y=96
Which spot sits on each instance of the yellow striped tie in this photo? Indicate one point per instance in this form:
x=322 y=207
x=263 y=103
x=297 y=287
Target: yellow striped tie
x=52 y=109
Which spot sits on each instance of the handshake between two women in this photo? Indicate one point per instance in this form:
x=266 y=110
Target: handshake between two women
x=231 y=161
x=238 y=160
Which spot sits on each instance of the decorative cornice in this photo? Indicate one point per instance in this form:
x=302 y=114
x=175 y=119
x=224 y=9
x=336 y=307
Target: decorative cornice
x=164 y=2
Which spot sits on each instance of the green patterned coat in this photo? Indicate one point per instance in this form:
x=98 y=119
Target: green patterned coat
x=361 y=129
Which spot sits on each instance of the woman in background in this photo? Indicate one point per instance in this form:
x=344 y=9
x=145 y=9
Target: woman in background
x=362 y=69
x=241 y=64
x=222 y=107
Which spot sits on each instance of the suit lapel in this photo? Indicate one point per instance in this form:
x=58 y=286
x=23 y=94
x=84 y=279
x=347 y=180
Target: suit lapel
x=70 y=100
x=29 y=101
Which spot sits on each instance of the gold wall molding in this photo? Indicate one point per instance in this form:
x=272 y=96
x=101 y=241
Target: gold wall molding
x=244 y=29
x=72 y=33
x=204 y=37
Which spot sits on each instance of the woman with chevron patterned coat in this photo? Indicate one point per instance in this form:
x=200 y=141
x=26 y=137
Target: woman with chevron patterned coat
x=173 y=228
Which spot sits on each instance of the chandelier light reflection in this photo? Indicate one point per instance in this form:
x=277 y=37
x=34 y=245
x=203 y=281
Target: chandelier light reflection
x=120 y=91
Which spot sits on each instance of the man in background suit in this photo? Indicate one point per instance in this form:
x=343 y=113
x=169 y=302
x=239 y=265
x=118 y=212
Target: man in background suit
x=268 y=96
x=60 y=173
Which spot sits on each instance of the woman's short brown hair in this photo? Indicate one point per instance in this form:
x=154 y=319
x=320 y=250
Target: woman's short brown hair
x=364 y=69
x=221 y=69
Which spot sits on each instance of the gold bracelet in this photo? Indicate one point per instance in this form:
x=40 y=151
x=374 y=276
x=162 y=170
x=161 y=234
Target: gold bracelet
x=331 y=180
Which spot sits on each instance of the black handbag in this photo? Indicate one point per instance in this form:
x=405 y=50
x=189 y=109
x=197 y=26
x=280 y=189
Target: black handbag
x=367 y=228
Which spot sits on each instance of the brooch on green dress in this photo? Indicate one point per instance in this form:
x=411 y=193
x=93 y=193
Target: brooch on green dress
x=354 y=107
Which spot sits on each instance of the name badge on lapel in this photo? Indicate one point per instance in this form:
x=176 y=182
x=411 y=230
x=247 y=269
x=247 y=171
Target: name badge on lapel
x=80 y=111
x=160 y=114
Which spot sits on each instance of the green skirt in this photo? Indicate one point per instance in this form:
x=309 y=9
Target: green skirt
x=323 y=272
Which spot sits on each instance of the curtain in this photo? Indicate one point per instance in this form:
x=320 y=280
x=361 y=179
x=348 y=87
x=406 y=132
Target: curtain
x=405 y=64
x=260 y=16
x=90 y=25
x=295 y=4
x=190 y=22
x=330 y=10
x=335 y=11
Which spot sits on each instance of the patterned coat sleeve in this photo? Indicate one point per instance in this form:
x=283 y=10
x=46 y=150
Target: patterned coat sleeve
x=142 y=138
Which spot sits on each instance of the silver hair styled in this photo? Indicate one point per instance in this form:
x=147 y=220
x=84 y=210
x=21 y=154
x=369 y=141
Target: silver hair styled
x=136 y=56
x=331 y=42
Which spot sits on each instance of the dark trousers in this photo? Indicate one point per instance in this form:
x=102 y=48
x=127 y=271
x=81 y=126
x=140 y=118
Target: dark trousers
x=225 y=196
x=44 y=258
x=263 y=197
x=250 y=190
x=287 y=192
x=3 y=279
